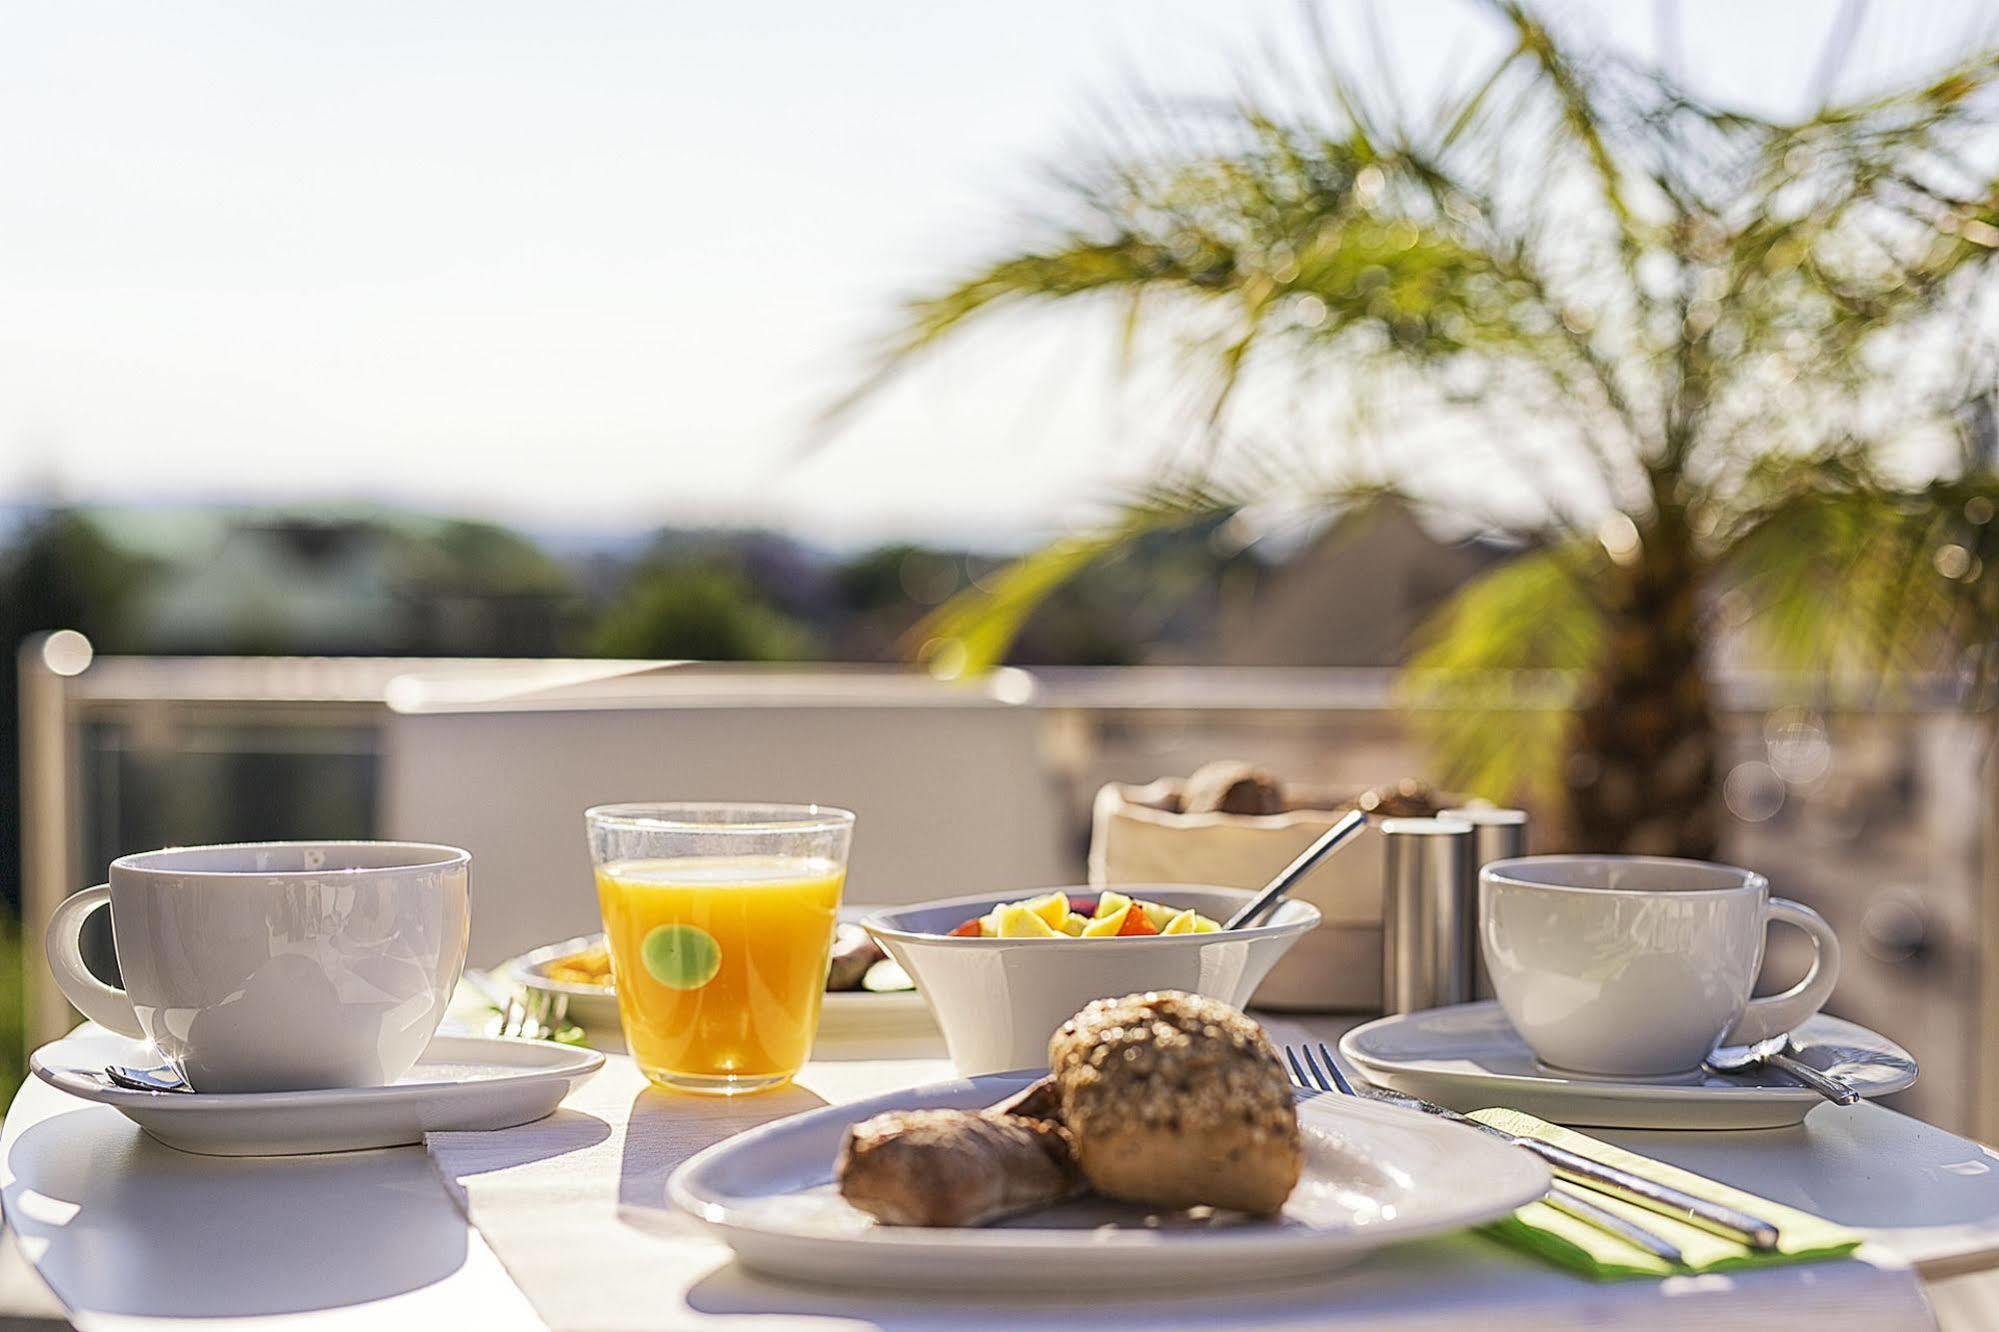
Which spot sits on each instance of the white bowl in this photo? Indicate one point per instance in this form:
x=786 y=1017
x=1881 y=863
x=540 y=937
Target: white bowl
x=999 y=1000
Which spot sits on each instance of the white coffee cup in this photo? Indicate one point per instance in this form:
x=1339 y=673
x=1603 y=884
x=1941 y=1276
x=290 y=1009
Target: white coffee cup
x=276 y=966
x=1638 y=966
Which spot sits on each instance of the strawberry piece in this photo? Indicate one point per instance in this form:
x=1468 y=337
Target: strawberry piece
x=969 y=930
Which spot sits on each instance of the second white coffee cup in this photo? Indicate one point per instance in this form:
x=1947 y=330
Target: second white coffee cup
x=1638 y=966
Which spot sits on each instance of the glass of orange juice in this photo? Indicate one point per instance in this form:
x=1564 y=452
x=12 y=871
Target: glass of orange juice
x=720 y=921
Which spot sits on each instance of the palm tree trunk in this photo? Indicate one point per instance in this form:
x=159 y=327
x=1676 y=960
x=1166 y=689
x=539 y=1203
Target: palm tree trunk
x=1641 y=776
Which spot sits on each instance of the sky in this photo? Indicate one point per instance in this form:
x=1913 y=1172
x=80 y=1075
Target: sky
x=596 y=265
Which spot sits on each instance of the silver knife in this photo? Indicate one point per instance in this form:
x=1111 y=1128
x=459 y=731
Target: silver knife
x=1576 y=1203
x=1662 y=1199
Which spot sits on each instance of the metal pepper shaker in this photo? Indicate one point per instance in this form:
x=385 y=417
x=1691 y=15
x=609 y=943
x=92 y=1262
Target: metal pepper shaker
x=1497 y=834
x=1429 y=913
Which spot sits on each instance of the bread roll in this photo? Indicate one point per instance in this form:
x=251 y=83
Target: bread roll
x=1176 y=1101
x=1229 y=787
x=953 y=1167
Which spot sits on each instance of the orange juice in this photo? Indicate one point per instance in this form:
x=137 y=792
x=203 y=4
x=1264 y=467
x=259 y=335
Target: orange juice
x=720 y=963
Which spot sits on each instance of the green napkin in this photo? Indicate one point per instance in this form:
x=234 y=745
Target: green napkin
x=1560 y=1238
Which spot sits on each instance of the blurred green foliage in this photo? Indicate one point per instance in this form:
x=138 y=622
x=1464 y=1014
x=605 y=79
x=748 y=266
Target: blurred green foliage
x=703 y=612
x=58 y=572
x=13 y=1030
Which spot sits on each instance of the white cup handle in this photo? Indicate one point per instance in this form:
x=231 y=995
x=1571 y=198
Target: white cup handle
x=1779 y=1013
x=106 y=1005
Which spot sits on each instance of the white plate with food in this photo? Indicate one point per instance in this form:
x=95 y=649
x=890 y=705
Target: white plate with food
x=459 y=1082
x=867 y=996
x=1469 y=1057
x=936 y=1187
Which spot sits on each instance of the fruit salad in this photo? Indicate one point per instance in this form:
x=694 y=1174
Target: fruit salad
x=1057 y=915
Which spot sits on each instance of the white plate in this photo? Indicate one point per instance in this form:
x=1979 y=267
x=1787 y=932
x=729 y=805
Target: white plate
x=858 y=1014
x=1375 y=1174
x=591 y=1007
x=846 y=1015
x=461 y=1082
x=1468 y=1057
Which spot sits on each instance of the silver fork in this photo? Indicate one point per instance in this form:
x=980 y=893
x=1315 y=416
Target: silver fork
x=517 y=1018
x=1312 y=1076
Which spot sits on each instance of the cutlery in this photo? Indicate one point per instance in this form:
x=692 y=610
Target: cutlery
x=1779 y=1053
x=1662 y=1199
x=1560 y=1196
x=1329 y=841
x=1567 y=1199
x=516 y=1017
x=161 y=1079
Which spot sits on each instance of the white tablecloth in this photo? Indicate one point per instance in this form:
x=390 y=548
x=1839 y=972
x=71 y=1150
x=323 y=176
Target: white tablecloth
x=575 y=1207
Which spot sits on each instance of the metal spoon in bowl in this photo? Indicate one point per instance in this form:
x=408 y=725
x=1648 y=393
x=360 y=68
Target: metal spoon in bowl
x=1331 y=840
x=1777 y=1052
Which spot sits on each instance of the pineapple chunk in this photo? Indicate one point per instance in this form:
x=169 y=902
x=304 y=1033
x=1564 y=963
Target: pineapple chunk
x=1103 y=926
x=1073 y=925
x=1018 y=922
x=1053 y=909
x=1110 y=904
x=1190 y=922
x=989 y=923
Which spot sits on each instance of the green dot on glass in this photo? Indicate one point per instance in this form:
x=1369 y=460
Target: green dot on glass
x=681 y=957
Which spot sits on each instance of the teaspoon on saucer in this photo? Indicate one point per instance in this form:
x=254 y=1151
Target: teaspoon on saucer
x=1777 y=1053
x=161 y=1079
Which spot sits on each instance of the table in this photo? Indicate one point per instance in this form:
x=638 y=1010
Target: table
x=130 y=1234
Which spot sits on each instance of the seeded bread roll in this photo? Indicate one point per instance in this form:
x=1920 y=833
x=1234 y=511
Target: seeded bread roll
x=1177 y=1101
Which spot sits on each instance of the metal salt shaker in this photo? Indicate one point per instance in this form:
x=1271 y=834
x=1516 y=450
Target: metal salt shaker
x=1497 y=834
x=1429 y=913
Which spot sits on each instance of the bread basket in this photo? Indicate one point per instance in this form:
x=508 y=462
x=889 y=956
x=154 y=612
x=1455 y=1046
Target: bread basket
x=1136 y=837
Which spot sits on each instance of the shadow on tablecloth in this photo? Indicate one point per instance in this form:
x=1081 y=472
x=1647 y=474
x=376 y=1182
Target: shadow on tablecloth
x=74 y=1195
x=1459 y=1281
x=665 y=1128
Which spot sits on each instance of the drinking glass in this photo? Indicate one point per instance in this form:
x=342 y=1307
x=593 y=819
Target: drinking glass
x=720 y=921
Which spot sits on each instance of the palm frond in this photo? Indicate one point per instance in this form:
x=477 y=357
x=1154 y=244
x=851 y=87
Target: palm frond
x=1491 y=683
x=1290 y=215
x=1582 y=117
x=1839 y=576
x=970 y=633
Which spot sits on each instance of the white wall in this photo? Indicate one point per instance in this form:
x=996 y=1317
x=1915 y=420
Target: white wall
x=952 y=797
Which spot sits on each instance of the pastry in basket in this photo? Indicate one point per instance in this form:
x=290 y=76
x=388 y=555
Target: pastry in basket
x=1165 y=1099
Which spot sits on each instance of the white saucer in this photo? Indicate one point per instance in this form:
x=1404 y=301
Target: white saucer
x=1468 y=1057
x=461 y=1082
x=1374 y=1174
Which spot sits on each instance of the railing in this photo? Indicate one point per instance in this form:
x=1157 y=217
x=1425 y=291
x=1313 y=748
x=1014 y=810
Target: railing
x=1884 y=820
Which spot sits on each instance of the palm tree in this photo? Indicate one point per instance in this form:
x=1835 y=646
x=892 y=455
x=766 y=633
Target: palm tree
x=1704 y=338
